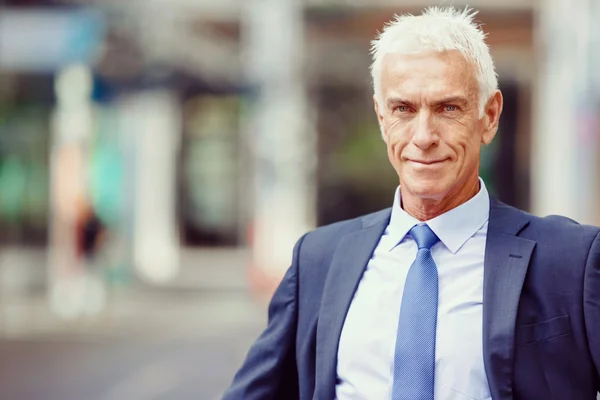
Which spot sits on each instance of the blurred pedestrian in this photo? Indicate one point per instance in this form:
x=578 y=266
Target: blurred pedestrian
x=449 y=294
x=90 y=233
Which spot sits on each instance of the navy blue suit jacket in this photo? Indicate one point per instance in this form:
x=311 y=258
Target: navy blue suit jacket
x=541 y=310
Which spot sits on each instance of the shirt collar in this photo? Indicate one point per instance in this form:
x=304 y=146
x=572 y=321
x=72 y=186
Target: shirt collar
x=454 y=227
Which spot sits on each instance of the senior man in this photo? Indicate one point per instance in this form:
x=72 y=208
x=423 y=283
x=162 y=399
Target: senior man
x=449 y=294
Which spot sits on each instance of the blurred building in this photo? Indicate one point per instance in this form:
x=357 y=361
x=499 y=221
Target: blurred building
x=232 y=123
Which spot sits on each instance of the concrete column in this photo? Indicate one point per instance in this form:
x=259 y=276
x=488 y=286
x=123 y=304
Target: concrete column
x=278 y=133
x=565 y=138
x=71 y=125
x=151 y=121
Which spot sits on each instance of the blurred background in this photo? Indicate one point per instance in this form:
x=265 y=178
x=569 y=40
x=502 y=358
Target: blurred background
x=159 y=159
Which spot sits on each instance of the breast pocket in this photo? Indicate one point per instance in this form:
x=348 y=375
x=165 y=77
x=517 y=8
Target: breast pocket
x=540 y=331
x=461 y=370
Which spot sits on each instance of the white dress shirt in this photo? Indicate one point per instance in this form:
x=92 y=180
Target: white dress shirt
x=367 y=343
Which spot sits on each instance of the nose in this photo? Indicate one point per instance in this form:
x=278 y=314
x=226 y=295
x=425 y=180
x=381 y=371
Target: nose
x=424 y=135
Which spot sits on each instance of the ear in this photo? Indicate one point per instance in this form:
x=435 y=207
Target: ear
x=491 y=117
x=379 y=113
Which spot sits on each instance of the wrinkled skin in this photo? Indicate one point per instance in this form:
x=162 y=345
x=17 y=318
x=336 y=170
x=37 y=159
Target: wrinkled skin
x=429 y=119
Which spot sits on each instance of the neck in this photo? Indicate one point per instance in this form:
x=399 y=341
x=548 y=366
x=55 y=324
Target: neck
x=425 y=209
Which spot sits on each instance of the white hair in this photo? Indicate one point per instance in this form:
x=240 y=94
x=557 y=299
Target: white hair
x=437 y=29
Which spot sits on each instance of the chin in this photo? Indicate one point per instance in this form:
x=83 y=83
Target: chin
x=427 y=188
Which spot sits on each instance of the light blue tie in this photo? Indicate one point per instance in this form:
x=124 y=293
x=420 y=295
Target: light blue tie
x=414 y=358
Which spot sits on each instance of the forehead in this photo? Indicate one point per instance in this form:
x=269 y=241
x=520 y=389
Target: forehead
x=430 y=74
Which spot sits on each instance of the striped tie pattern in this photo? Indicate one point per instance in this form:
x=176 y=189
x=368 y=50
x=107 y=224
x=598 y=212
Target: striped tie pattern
x=414 y=357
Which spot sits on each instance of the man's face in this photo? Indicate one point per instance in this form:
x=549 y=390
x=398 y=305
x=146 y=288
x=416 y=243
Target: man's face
x=430 y=121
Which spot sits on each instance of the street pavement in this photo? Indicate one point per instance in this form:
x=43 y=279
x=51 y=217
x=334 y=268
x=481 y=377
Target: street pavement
x=178 y=348
x=180 y=341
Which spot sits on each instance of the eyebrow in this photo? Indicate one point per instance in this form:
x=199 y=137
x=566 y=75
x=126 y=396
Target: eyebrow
x=445 y=100
x=451 y=99
x=398 y=100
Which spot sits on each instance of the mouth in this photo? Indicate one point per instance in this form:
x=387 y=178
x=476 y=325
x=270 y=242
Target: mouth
x=428 y=162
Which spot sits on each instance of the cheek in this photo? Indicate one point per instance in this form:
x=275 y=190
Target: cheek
x=466 y=150
x=459 y=139
x=395 y=147
x=396 y=134
x=393 y=151
x=472 y=147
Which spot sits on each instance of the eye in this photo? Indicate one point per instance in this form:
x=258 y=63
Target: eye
x=402 y=109
x=450 y=108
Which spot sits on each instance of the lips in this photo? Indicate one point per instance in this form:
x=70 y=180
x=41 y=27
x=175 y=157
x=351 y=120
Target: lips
x=428 y=162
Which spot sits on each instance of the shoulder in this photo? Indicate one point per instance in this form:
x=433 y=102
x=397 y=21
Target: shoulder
x=567 y=230
x=325 y=239
x=555 y=230
x=327 y=234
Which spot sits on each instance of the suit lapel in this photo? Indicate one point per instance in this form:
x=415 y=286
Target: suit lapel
x=507 y=258
x=505 y=266
x=346 y=269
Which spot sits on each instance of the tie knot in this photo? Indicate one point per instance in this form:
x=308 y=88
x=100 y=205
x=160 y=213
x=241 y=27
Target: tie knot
x=424 y=236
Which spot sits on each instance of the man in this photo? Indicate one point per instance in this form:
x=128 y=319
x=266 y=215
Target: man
x=449 y=294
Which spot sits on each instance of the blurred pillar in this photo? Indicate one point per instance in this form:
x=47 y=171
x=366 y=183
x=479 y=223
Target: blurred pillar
x=72 y=124
x=589 y=127
x=279 y=132
x=151 y=125
x=566 y=137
